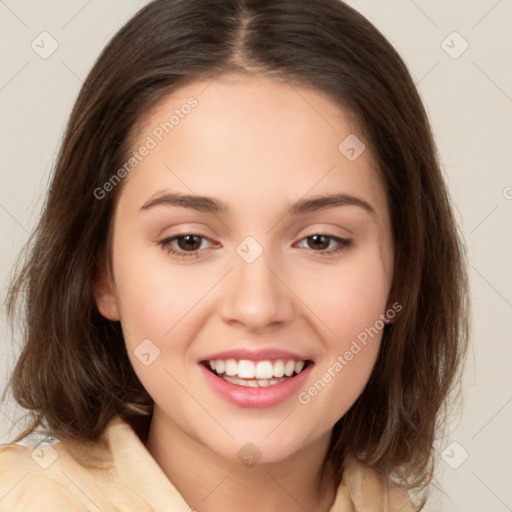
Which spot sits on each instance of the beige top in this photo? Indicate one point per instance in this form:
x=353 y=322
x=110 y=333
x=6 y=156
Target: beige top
x=119 y=474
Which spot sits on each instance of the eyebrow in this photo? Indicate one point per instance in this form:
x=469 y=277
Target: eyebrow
x=211 y=205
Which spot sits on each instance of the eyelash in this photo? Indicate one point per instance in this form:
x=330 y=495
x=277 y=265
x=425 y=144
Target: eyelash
x=343 y=243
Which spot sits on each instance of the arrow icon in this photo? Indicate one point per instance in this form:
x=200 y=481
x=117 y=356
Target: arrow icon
x=249 y=455
x=249 y=253
x=147 y=352
x=44 y=45
x=44 y=457
x=351 y=147
x=454 y=455
x=454 y=45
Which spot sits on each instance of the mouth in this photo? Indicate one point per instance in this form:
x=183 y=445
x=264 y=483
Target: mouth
x=256 y=374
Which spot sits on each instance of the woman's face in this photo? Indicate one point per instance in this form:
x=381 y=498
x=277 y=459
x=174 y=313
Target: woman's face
x=251 y=241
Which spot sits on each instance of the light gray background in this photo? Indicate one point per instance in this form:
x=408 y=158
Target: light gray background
x=469 y=101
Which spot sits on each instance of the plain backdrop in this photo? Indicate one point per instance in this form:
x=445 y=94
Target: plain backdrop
x=460 y=55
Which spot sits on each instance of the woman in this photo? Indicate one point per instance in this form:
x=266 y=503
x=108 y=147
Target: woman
x=247 y=279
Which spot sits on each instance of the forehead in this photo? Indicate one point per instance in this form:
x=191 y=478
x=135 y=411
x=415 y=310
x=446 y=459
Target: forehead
x=268 y=136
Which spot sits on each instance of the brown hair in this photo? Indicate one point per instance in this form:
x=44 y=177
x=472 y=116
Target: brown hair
x=74 y=374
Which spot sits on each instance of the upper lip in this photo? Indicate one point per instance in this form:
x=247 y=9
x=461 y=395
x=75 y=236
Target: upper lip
x=255 y=355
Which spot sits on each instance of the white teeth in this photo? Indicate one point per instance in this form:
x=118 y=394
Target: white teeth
x=246 y=369
x=231 y=367
x=298 y=366
x=278 y=369
x=265 y=372
x=253 y=383
x=289 y=368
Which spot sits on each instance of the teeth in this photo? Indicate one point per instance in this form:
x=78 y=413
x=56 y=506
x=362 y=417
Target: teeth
x=298 y=366
x=231 y=367
x=246 y=369
x=253 y=383
x=289 y=368
x=265 y=372
x=278 y=369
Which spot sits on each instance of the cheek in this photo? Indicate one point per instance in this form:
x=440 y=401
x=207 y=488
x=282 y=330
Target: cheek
x=347 y=299
x=349 y=302
x=341 y=376
x=153 y=296
x=154 y=304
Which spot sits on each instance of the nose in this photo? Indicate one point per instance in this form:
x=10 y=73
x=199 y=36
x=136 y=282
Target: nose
x=256 y=296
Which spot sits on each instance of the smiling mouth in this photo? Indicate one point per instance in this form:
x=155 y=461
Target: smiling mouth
x=256 y=374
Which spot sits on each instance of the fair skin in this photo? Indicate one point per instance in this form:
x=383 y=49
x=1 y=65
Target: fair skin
x=258 y=146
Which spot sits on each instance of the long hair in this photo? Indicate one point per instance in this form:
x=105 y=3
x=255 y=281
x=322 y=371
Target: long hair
x=74 y=375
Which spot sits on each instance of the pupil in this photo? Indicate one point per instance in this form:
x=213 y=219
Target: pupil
x=317 y=239
x=185 y=241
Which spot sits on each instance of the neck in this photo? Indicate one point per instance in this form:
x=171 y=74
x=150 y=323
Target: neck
x=211 y=483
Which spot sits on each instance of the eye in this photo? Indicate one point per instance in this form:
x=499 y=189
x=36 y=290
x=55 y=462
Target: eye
x=188 y=244
x=326 y=245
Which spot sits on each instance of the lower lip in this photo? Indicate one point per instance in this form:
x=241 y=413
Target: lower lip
x=256 y=397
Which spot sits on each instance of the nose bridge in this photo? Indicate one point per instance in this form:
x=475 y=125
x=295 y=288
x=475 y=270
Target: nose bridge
x=254 y=295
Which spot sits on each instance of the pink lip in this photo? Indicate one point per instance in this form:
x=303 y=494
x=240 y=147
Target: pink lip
x=255 y=355
x=255 y=397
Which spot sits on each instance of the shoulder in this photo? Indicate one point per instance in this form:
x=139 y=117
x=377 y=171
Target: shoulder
x=114 y=473
x=28 y=484
x=61 y=476
x=368 y=489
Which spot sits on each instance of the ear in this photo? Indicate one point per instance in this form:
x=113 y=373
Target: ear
x=105 y=297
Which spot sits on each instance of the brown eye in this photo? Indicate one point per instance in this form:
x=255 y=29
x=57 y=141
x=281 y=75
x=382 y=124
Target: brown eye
x=325 y=245
x=189 y=242
x=320 y=242
x=187 y=245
